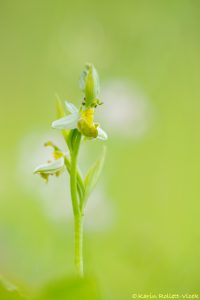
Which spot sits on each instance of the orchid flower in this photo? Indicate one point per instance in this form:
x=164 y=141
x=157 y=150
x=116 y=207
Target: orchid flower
x=83 y=120
x=55 y=167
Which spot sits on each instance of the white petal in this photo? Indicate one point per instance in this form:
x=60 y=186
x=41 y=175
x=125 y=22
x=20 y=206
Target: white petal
x=102 y=135
x=68 y=122
x=71 y=107
x=52 y=167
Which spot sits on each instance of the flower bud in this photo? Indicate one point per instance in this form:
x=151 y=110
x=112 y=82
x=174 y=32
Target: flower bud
x=89 y=84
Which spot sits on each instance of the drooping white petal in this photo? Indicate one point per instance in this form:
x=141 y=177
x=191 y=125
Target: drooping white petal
x=50 y=168
x=68 y=122
x=102 y=135
x=71 y=107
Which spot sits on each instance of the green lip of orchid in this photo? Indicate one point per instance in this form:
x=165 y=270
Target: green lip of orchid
x=71 y=121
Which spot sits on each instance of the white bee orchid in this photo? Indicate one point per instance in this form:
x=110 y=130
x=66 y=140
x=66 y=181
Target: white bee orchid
x=82 y=120
x=50 y=168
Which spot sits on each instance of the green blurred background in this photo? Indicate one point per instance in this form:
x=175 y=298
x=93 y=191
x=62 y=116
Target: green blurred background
x=142 y=228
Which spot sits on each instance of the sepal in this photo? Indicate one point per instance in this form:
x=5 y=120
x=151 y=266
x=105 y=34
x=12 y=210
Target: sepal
x=55 y=167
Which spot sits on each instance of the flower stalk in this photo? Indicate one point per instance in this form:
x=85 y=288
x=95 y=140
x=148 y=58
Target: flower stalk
x=76 y=207
x=78 y=247
x=75 y=127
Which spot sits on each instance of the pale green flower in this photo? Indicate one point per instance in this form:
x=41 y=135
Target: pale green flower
x=83 y=120
x=51 y=168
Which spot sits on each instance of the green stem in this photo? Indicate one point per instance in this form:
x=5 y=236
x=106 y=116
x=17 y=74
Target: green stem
x=78 y=229
x=80 y=184
x=76 y=206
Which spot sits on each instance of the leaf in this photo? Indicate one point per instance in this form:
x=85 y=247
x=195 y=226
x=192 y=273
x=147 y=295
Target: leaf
x=9 y=292
x=60 y=110
x=93 y=175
